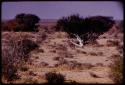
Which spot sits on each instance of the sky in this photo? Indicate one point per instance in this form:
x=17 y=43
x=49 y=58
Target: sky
x=58 y=9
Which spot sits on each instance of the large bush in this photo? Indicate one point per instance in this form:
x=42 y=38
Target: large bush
x=99 y=24
x=86 y=28
x=71 y=24
x=22 y=22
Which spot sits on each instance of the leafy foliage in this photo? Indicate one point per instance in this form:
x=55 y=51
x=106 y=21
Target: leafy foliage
x=87 y=28
x=21 y=22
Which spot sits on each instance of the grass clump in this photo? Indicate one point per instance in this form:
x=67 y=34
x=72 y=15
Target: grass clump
x=117 y=69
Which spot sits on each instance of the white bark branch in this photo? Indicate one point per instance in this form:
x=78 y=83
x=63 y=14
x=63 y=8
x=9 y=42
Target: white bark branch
x=80 y=44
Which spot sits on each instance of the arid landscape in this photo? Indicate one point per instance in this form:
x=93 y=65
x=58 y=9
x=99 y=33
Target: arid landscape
x=50 y=51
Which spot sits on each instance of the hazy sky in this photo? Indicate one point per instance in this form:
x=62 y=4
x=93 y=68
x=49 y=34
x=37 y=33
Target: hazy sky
x=57 y=9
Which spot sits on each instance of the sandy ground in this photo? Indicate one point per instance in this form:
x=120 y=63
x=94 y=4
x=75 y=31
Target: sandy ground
x=89 y=64
x=93 y=59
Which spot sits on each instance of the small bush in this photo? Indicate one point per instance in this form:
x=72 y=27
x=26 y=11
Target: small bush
x=40 y=50
x=117 y=69
x=74 y=65
x=93 y=54
x=26 y=45
x=32 y=73
x=24 y=68
x=10 y=25
x=112 y=43
x=9 y=64
x=44 y=64
x=29 y=20
x=61 y=62
x=54 y=77
x=9 y=70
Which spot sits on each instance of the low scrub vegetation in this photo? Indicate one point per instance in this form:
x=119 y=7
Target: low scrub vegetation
x=15 y=50
x=88 y=29
x=54 y=77
x=117 y=69
x=21 y=22
x=112 y=43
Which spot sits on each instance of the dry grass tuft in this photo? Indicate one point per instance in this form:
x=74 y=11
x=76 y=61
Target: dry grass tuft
x=54 y=77
x=112 y=43
x=15 y=50
x=117 y=69
x=24 y=68
x=93 y=54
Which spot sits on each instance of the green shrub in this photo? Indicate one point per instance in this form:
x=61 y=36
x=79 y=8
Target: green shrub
x=54 y=77
x=87 y=28
x=21 y=22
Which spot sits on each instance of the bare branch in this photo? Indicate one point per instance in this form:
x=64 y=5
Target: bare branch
x=80 y=44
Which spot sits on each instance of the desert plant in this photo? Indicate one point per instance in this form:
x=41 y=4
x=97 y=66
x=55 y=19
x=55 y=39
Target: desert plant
x=58 y=58
x=19 y=18
x=117 y=69
x=84 y=29
x=61 y=62
x=93 y=54
x=26 y=45
x=44 y=64
x=28 y=20
x=24 y=68
x=32 y=73
x=11 y=74
x=10 y=25
x=54 y=77
x=22 y=22
x=112 y=43
x=70 y=24
x=99 y=24
x=13 y=53
x=8 y=65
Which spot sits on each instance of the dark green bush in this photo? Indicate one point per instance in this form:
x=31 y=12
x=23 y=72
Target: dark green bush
x=87 y=28
x=28 y=20
x=99 y=24
x=22 y=22
x=71 y=24
x=26 y=45
x=54 y=77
